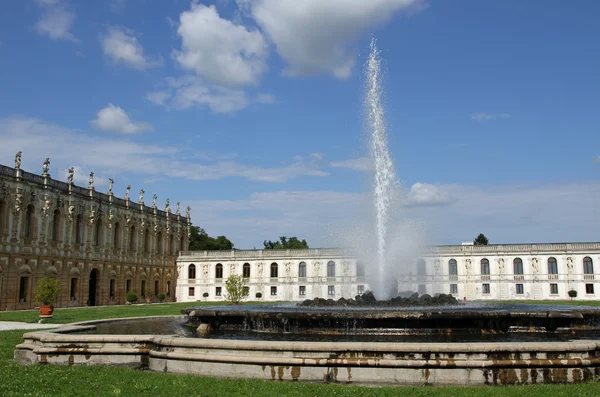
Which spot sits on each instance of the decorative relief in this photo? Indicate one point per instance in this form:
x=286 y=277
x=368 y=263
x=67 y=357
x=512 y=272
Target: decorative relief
x=317 y=267
x=535 y=265
x=436 y=264
x=288 y=268
x=260 y=268
x=205 y=271
x=232 y=268
x=570 y=265
x=468 y=266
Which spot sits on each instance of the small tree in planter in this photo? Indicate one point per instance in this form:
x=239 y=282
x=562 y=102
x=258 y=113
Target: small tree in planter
x=160 y=297
x=205 y=295
x=572 y=294
x=148 y=296
x=46 y=292
x=258 y=295
x=235 y=289
x=131 y=297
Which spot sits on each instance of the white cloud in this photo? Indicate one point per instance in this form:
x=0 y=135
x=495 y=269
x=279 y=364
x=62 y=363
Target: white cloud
x=266 y=99
x=316 y=36
x=121 y=46
x=114 y=118
x=81 y=177
x=56 y=21
x=597 y=159
x=358 y=164
x=425 y=194
x=112 y=156
x=219 y=50
x=482 y=116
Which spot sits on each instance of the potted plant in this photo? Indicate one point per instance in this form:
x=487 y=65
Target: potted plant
x=160 y=297
x=572 y=294
x=258 y=295
x=131 y=298
x=46 y=292
x=149 y=296
x=205 y=295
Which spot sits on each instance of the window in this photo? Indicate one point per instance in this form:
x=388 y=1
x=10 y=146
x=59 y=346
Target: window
x=78 y=229
x=147 y=241
x=245 y=291
x=589 y=288
x=156 y=287
x=486 y=288
x=218 y=291
x=73 y=289
x=331 y=269
x=117 y=236
x=273 y=291
x=143 y=292
x=169 y=288
x=274 y=270
x=454 y=289
x=56 y=225
x=159 y=243
x=302 y=270
x=485 y=267
x=517 y=266
x=552 y=266
x=219 y=271
x=421 y=267
x=128 y=285
x=132 y=238
x=360 y=289
x=111 y=288
x=360 y=269
x=302 y=290
x=98 y=240
x=192 y=291
x=588 y=265
x=519 y=289
x=23 y=289
x=246 y=270
x=453 y=269
x=192 y=271
x=29 y=221
x=554 y=289
x=331 y=290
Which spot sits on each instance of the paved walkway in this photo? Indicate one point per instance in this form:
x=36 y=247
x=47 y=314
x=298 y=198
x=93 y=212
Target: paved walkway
x=10 y=325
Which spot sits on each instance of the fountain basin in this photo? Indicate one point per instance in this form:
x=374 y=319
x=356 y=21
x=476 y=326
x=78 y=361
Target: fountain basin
x=474 y=363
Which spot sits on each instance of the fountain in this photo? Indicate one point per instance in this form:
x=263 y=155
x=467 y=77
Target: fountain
x=413 y=340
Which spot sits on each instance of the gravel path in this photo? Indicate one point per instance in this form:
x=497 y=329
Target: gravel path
x=10 y=325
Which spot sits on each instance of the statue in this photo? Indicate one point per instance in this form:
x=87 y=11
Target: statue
x=154 y=201
x=232 y=268
x=110 y=186
x=167 y=206
x=71 y=174
x=535 y=266
x=570 y=265
x=46 y=207
x=288 y=268
x=187 y=212
x=71 y=212
x=92 y=215
x=141 y=196
x=501 y=265
x=46 y=166
x=91 y=181
x=260 y=269
x=468 y=266
x=436 y=265
x=127 y=192
x=205 y=271
x=317 y=266
x=18 y=199
x=18 y=160
x=177 y=208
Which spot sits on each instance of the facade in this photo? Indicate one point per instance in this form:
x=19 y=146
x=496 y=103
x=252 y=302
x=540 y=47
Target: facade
x=492 y=272
x=98 y=245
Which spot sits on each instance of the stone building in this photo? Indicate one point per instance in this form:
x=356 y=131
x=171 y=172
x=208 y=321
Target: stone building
x=98 y=245
x=484 y=272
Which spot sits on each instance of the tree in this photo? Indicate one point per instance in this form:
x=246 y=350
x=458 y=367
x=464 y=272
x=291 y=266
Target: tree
x=572 y=294
x=481 y=240
x=235 y=289
x=284 y=243
x=201 y=241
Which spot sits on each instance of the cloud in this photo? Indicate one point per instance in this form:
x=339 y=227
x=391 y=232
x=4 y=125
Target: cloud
x=81 y=176
x=115 y=156
x=482 y=116
x=316 y=36
x=56 y=21
x=597 y=159
x=122 y=47
x=358 y=164
x=425 y=194
x=266 y=99
x=220 y=51
x=113 y=118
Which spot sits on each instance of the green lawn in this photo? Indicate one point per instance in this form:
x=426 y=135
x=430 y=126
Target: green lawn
x=573 y=302
x=49 y=380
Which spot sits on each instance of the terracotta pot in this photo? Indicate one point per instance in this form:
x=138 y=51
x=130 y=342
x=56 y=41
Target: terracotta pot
x=46 y=310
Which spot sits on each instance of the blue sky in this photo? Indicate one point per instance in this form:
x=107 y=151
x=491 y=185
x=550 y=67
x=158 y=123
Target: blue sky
x=251 y=111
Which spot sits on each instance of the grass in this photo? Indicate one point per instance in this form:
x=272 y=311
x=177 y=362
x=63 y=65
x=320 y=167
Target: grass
x=573 y=302
x=50 y=380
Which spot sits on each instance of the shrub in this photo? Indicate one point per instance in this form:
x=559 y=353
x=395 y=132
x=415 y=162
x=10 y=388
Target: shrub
x=131 y=297
x=236 y=289
x=160 y=296
x=572 y=294
x=258 y=295
x=205 y=294
x=47 y=291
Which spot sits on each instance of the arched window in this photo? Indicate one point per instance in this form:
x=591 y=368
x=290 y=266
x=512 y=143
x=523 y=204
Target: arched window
x=331 y=269
x=159 y=243
x=552 y=266
x=452 y=267
x=302 y=270
x=246 y=270
x=517 y=266
x=117 y=236
x=588 y=265
x=192 y=271
x=56 y=225
x=274 y=269
x=360 y=269
x=99 y=238
x=171 y=244
x=485 y=267
x=132 y=238
x=219 y=271
x=421 y=267
x=147 y=241
x=79 y=229
x=29 y=221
